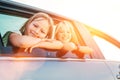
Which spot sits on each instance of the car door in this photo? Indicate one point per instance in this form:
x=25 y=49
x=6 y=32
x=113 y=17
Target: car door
x=115 y=68
x=53 y=69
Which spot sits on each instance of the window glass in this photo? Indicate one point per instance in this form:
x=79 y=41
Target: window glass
x=110 y=51
x=10 y=23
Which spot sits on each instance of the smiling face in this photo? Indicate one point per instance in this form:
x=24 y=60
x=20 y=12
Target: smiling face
x=64 y=33
x=38 y=28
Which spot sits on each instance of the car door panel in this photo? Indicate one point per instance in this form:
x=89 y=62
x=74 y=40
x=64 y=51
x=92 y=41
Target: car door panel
x=53 y=69
x=115 y=68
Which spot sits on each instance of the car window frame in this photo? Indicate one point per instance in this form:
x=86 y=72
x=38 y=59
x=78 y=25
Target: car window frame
x=23 y=10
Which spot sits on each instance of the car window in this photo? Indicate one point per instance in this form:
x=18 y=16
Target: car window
x=13 y=23
x=10 y=23
x=111 y=52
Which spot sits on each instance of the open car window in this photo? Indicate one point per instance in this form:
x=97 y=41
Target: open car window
x=10 y=23
x=13 y=23
x=13 y=16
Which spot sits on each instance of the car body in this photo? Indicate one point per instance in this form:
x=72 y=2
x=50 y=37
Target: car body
x=15 y=66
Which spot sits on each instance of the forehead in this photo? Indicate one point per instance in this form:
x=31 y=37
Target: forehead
x=42 y=21
x=64 y=28
x=40 y=18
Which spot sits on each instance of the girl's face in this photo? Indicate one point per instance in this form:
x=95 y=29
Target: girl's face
x=64 y=34
x=38 y=28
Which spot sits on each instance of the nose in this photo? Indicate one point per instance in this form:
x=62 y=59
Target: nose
x=37 y=32
x=65 y=33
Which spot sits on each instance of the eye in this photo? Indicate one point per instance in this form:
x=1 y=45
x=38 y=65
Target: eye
x=35 y=25
x=43 y=31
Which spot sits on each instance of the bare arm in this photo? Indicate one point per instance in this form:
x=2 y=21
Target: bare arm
x=22 y=41
x=49 y=44
x=71 y=47
x=85 y=49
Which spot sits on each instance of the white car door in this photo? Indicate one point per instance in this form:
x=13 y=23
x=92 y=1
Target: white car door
x=53 y=69
x=115 y=68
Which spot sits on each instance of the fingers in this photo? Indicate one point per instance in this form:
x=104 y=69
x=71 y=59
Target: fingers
x=29 y=50
x=26 y=49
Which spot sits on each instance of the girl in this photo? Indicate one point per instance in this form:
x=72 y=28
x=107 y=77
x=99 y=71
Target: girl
x=36 y=32
x=65 y=33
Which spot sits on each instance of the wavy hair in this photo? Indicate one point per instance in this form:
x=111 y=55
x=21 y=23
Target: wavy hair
x=39 y=15
x=67 y=24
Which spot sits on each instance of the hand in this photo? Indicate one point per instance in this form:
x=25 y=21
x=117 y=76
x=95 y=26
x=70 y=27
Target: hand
x=29 y=50
x=37 y=45
x=85 y=49
x=69 y=46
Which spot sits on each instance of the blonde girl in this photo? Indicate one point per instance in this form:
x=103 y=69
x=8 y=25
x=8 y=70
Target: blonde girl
x=65 y=33
x=36 y=32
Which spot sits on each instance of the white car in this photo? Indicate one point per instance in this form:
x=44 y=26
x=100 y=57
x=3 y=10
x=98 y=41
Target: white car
x=20 y=66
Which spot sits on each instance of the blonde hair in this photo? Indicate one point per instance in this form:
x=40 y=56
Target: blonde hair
x=69 y=25
x=38 y=15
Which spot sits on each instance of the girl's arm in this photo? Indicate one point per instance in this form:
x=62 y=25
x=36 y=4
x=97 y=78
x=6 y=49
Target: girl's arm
x=71 y=47
x=22 y=41
x=85 y=49
x=49 y=44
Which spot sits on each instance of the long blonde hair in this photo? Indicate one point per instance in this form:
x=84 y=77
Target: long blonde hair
x=38 y=15
x=67 y=24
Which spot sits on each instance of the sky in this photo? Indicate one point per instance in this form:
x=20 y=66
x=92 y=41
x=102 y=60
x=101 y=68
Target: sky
x=101 y=14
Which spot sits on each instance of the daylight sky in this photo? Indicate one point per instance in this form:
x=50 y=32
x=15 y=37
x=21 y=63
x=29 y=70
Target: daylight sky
x=101 y=14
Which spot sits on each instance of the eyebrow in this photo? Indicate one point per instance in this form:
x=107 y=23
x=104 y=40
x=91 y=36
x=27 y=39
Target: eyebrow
x=39 y=19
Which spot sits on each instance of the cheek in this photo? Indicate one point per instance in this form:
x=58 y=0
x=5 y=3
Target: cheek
x=42 y=36
x=28 y=29
x=61 y=37
x=70 y=36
